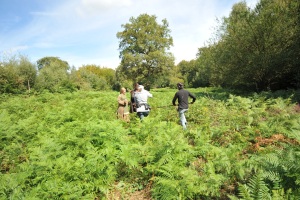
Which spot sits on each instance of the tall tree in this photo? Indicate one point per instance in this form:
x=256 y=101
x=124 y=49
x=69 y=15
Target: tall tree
x=53 y=75
x=27 y=72
x=9 y=79
x=17 y=74
x=144 y=46
x=258 y=49
x=46 y=61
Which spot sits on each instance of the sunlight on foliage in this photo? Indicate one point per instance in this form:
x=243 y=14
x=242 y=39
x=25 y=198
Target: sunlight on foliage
x=72 y=146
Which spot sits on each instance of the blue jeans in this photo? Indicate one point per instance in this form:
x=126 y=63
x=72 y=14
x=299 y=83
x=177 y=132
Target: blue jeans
x=182 y=117
x=142 y=115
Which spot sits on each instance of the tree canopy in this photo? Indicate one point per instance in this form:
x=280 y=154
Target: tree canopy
x=47 y=61
x=144 y=46
x=256 y=49
x=53 y=74
x=17 y=74
x=95 y=77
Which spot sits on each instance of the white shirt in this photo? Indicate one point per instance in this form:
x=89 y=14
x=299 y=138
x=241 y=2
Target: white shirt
x=141 y=98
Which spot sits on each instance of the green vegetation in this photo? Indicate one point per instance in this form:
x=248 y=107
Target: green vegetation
x=60 y=137
x=18 y=75
x=144 y=46
x=71 y=146
x=254 y=49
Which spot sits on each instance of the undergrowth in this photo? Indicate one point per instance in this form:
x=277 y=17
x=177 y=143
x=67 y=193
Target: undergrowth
x=72 y=146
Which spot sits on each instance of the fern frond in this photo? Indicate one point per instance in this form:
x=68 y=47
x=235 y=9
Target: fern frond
x=274 y=177
x=244 y=192
x=258 y=188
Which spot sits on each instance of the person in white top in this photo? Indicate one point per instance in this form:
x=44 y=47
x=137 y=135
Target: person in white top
x=141 y=99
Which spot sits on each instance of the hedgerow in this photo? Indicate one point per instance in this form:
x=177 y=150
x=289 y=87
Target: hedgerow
x=72 y=146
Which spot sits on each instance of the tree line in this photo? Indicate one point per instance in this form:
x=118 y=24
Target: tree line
x=252 y=49
x=19 y=75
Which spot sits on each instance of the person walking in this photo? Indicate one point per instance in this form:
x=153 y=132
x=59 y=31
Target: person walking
x=141 y=101
x=182 y=96
x=132 y=94
x=123 y=112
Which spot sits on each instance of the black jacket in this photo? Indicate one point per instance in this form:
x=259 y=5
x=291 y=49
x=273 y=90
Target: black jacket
x=182 y=96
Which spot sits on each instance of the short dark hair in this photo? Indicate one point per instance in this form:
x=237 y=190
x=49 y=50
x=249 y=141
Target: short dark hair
x=179 y=85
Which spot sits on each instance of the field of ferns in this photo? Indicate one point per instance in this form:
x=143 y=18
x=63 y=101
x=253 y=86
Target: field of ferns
x=72 y=146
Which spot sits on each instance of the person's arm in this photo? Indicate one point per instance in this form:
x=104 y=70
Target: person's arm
x=120 y=101
x=137 y=99
x=174 y=100
x=193 y=97
x=149 y=94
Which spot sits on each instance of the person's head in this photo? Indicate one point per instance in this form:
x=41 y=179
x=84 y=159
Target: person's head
x=122 y=90
x=140 y=88
x=180 y=86
x=136 y=86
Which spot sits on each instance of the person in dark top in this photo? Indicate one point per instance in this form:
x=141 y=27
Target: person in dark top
x=132 y=99
x=182 y=96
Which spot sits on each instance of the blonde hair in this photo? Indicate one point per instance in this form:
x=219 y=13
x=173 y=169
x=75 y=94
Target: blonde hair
x=122 y=90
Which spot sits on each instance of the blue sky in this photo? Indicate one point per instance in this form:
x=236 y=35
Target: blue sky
x=84 y=32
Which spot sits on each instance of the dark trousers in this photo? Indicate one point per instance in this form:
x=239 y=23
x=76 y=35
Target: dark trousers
x=142 y=115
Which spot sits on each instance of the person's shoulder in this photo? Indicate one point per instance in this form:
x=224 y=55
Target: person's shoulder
x=186 y=92
x=183 y=91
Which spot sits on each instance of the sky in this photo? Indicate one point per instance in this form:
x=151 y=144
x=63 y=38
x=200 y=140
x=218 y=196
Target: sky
x=83 y=32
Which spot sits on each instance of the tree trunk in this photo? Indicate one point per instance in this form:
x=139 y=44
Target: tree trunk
x=28 y=86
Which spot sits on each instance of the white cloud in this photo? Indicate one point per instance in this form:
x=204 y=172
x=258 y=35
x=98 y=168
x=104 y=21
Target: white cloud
x=47 y=14
x=9 y=53
x=252 y=3
x=44 y=45
x=18 y=48
x=88 y=8
x=191 y=23
x=14 y=50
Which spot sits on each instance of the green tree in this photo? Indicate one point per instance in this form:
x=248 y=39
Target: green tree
x=256 y=49
x=102 y=72
x=27 y=72
x=184 y=68
x=47 y=61
x=94 y=77
x=194 y=72
x=9 y=82
x=17 y=74
x=143 y=49
x=53 y=75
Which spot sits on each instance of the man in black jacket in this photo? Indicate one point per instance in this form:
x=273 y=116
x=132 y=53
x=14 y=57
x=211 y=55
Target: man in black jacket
x=183 y=105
